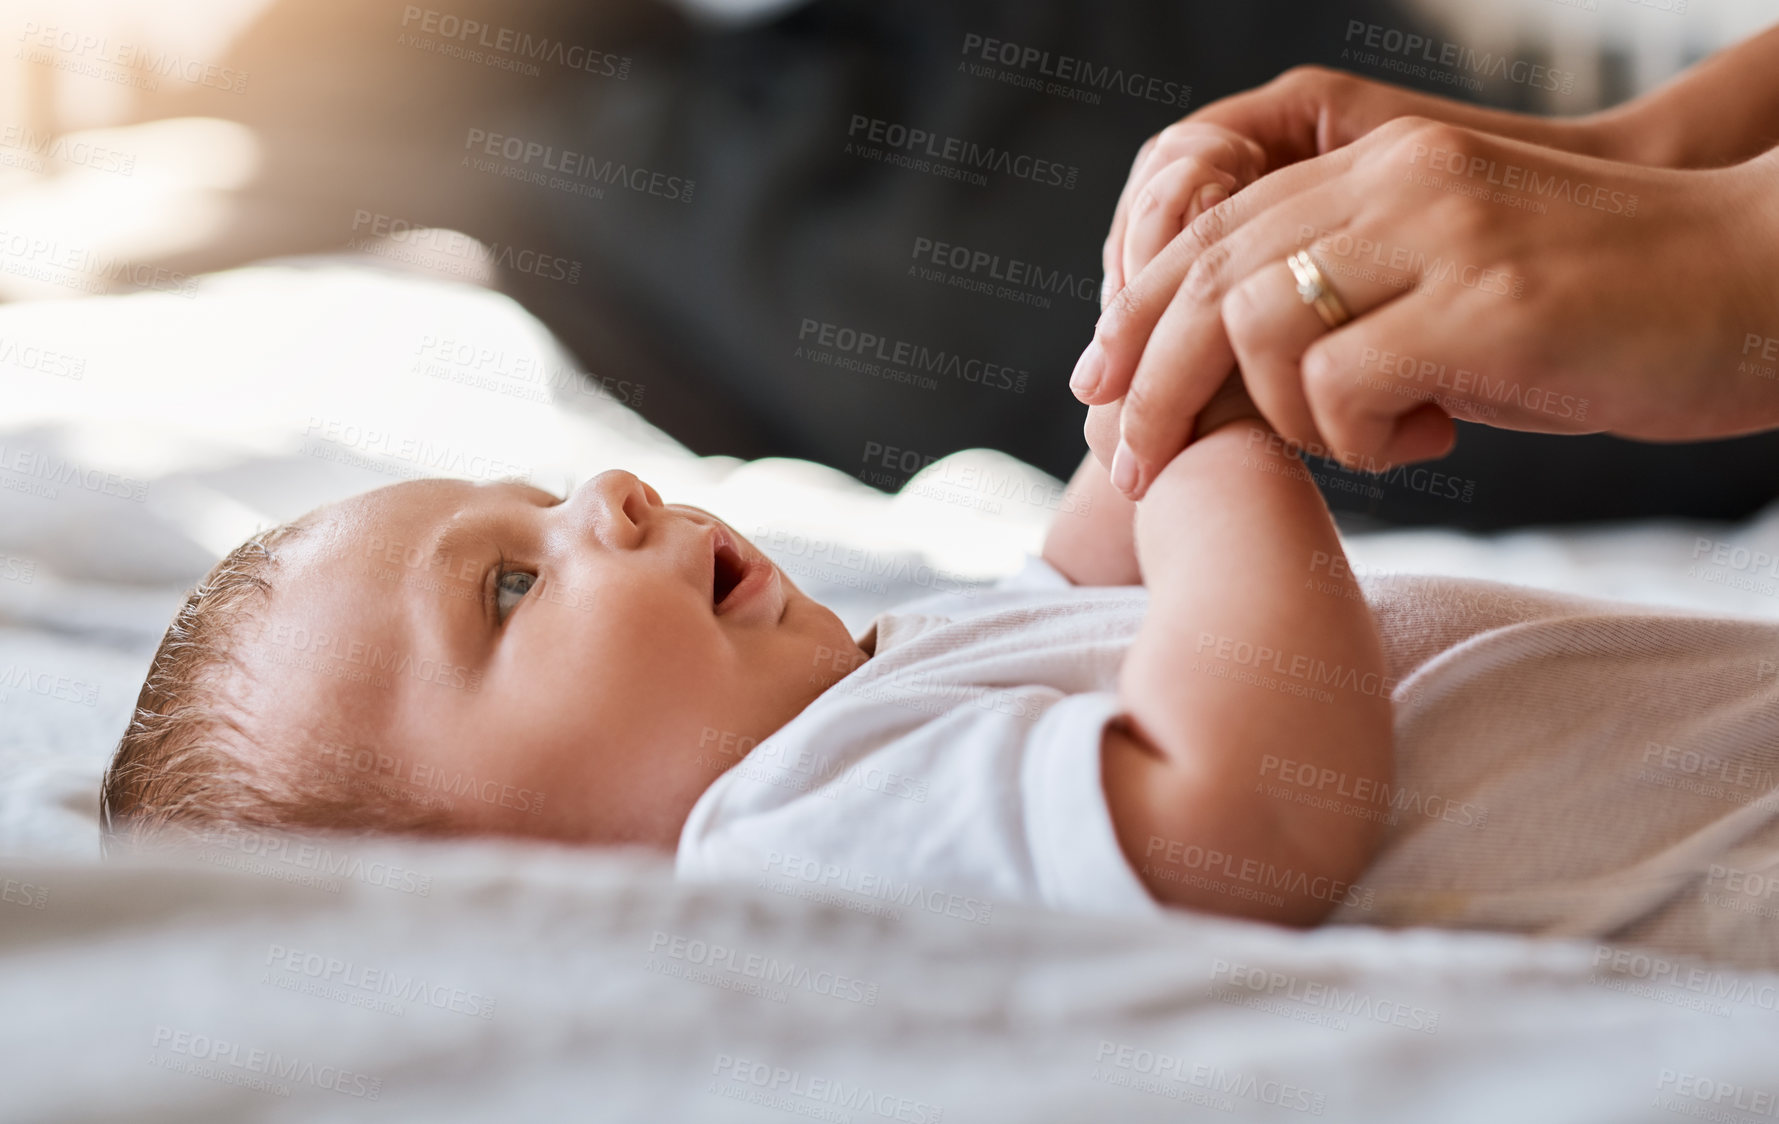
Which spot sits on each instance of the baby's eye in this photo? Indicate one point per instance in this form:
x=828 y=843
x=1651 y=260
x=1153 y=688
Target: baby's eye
x=509 y=588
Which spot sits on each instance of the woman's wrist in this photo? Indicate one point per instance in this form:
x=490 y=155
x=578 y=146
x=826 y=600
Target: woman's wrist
x=1635 y=132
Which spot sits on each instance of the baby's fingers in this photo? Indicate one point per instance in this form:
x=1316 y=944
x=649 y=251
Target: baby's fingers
x=1167 y=189
x=1112 y=253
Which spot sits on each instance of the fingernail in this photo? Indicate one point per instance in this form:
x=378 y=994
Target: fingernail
x=1088 y=370
x=1124 y=469
x=1213 y=194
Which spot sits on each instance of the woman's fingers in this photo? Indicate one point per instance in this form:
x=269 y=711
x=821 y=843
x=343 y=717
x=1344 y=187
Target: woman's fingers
x=1105 y=369
x=1380 y=398
x=1263 y=326
x=1275 y=332
x=1290 y=116
x=1172 y=198
x=1188 y=353
x=1269 y=329
x=1187 y=361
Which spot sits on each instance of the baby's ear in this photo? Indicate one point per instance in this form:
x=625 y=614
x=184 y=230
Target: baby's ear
x=1101 y=430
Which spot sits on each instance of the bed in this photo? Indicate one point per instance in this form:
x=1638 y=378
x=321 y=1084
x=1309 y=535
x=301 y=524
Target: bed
x=145 y=434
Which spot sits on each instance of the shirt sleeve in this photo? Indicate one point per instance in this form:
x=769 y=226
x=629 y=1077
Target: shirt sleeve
x=1076 y=859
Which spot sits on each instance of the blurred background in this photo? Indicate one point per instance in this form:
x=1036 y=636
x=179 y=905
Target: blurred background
x=713 y=201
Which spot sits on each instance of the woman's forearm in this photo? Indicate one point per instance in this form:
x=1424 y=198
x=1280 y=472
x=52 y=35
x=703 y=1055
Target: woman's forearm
x=1723 y=111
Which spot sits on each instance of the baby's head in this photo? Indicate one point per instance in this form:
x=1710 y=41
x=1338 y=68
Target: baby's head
x=448 y=658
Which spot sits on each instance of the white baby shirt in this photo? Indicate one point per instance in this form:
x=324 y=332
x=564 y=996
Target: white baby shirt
x=958 y=766
x=1564 y=766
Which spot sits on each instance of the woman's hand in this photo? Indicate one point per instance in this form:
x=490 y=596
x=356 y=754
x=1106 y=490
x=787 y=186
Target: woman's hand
x=1723 y=111
x=1311 y=110
x=1489 y=279
x=1179 y=174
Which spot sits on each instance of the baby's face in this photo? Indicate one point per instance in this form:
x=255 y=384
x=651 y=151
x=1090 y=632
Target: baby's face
x=501 y=648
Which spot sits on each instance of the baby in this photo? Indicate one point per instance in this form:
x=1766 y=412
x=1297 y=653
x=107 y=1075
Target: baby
x=611 y=669
x=1189 y=701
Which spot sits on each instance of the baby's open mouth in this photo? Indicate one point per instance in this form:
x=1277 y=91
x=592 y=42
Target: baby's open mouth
x=730 y=568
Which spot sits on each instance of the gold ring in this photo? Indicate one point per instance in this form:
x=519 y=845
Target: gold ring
x=1313 y=287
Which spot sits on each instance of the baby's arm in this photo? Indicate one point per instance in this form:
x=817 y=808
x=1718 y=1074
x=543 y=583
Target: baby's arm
x=1092 y=539
x=1256 y=645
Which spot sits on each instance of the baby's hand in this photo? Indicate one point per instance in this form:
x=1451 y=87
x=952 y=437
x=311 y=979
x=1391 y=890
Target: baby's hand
x=1230 y=403
x=1179 y=173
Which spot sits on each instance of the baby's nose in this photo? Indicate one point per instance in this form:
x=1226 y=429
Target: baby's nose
x=618 y=506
